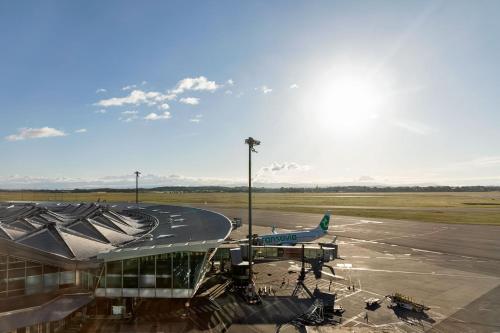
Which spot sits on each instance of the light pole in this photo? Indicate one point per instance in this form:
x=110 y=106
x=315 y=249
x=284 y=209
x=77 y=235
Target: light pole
x=137 y=173
x=251 y=142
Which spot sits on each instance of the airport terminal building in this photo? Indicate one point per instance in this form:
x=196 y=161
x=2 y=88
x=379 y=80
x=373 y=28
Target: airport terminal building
x=63 y=256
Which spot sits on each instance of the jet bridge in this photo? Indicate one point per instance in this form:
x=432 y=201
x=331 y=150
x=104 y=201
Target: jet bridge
x=325 y=252
x=235 y=257
x=227 y=254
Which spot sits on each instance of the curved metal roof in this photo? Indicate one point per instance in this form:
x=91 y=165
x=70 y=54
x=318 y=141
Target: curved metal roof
x=75 y=231
x=83 y=231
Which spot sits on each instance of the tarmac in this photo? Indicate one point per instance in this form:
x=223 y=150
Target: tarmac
x=452 y=268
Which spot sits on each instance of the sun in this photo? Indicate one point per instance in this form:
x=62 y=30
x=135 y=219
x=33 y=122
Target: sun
x=348 y=101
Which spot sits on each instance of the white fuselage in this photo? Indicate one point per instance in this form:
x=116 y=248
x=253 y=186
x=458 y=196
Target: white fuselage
x=292 y=237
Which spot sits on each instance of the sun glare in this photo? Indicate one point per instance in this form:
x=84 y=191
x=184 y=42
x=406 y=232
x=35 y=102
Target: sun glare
x=348 y=102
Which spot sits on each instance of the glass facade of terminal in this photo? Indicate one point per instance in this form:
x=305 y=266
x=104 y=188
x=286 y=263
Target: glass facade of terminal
x=166 y=275
x=20 y=276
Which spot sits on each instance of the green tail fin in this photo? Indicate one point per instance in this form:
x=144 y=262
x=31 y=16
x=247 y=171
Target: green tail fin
x=325 y=221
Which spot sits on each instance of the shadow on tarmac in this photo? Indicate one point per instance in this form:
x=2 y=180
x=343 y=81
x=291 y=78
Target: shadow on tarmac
x=412 y=316
x=171 y=315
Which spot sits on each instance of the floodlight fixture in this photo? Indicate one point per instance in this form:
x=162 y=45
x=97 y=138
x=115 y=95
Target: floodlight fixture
x=251 y=142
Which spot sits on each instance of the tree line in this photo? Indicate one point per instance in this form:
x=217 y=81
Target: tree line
x=290 y=189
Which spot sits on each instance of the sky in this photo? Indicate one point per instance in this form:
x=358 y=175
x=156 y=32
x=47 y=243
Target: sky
x=338 y=92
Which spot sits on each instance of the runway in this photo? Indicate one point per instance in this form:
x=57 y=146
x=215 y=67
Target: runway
x=480 y=241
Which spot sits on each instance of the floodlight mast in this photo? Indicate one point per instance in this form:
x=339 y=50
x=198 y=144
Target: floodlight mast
x=251 y=142
x=137 y=173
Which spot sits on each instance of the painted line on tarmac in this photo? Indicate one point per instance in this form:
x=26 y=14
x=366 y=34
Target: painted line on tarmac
x=426 y=251
x=357 y=241
x=416 y=273
x=371 y=221
x=362 y=222
x=333 y=275
x=382 y=240
x=351 y=294
x=351 y=319
x=389 y=324
x=459 y=320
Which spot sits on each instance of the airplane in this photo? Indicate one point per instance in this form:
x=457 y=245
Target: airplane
x=294 y=237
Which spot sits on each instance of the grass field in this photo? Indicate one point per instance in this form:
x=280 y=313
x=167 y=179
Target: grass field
x=471 y=208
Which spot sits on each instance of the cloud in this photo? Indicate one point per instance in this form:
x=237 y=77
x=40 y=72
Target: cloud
x=129 y=116
x=294 y=86
x=264 y=89
x=200 y=83
x=137 y=97
x=128 y=119
x=281 y=172
x=487 y=161
x=151 y=98
x=482 y=162
x=414 y=127
x=81 y=130
x=285 y=166
x=196 y=119
x=35 y=133
x=190 y=100
x=230 y=82
x=100 y=90
x=154 y=116
x=164 y=106
x=129 y=87
x=120 y=181
x=100 y=111
x=228 y=92
x=365 y=179
x=144 y=83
